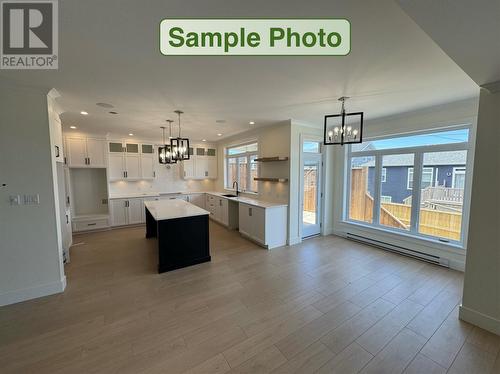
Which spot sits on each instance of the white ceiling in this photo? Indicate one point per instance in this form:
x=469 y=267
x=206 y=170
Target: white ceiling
x=467 y=30
x=109 y=53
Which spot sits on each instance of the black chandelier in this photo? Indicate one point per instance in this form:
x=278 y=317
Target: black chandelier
x=165 y=152
x=179 y=145
x=343 y=128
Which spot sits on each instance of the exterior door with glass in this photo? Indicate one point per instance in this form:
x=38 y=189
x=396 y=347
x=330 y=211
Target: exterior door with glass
x=311 y=189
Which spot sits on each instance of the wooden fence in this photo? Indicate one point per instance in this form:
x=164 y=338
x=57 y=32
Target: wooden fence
x=310 y=189
x=432 y=222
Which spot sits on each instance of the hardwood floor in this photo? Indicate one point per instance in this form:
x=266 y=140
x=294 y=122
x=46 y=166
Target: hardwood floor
x=327 y=305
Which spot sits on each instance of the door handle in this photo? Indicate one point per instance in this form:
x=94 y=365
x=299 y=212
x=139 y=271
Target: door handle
x=57 y=151
x=67 y=219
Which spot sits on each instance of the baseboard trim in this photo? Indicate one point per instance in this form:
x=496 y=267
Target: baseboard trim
x=24 y=294
x=295 y=240
x=479 y=319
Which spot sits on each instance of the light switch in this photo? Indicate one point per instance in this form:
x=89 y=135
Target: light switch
x=31 y=199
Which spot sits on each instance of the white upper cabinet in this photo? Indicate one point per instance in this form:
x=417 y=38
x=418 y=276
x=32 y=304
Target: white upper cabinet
x=95 y=152
x=77 y=152
x=130 y=161
x=202 y=163
x=85 y=152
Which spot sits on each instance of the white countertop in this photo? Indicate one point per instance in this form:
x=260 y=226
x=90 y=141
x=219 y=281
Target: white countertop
x=239 y=199
x=248 y=200
x=133 y=195
x=170 y=209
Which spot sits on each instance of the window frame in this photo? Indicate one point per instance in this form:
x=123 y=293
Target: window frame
x=410 y=172
x=418 y=152
x=248 y=155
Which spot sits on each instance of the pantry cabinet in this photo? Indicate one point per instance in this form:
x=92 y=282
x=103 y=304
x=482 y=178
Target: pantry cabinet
x=130 y=161
x=85 y=152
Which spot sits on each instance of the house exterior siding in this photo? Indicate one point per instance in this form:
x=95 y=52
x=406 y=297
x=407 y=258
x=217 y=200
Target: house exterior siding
x=396 y=184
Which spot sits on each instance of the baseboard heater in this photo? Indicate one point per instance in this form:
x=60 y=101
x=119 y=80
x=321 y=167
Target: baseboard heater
x=400 y=250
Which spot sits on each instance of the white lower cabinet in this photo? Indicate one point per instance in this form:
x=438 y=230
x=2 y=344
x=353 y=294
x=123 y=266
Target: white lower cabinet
x=197 y=199
x=222 y=210
x=266 y=226
x=127 y=211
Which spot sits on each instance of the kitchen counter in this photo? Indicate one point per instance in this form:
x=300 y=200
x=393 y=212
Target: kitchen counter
x=133 y=195
x=249 y=201
x=175 y=208
x=181 y=230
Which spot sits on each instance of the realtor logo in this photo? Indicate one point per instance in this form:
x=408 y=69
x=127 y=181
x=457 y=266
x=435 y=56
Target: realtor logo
x=29 y=35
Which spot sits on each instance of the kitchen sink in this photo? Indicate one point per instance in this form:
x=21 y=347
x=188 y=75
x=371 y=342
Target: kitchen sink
x=229 y=195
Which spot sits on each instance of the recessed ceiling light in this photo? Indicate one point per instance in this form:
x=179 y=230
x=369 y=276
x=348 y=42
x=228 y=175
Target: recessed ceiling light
x=204 y=140
x=84 y=113
x=113 y=112
x=104 y=105
x=72 y=127
x=219 y=134
x=251 y=123
x=130 y=134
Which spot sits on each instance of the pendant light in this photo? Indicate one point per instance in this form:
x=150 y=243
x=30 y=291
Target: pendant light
x=179 y=145
x=165 y=153
x=343 y=128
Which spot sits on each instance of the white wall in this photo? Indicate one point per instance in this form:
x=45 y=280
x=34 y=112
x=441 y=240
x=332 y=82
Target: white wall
x=273 y=141
x=462 y=112
x=30 y=260
x=481 y=298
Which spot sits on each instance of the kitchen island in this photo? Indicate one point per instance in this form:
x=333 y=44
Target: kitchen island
x=181 y=230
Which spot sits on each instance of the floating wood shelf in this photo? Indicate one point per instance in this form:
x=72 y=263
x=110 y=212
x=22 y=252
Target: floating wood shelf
x=271 y=179
x=271 y=159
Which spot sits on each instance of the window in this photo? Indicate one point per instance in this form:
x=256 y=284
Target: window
x=426 y=177
x=384 y=175
x=412 y=183
x=458 y=180
x=362 y=189
x=310 y=146
x=241 y=167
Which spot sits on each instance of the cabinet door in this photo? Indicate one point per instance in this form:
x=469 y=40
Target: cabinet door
x=198 y=200
x=188 y=167
x=147 y=167
x=95 y=152
x=118 y=212
x=135 y=207
x=212 y=167
x=77 y=152
x=225 y=212
x=201 y=167
x=132 y=166
x=245 y=221
x=115 y=166
x=259 y=224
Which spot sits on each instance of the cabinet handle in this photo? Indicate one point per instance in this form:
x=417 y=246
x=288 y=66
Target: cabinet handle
x=89 y=160
x=250 y=212
x=67 y=219
x=154 y=174
x=91 y=224
x=206 y=174
x=220 y=202
x=65 y=161
x=67 y=199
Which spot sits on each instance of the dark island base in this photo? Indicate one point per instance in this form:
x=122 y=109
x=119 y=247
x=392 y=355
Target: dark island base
x=181 y=241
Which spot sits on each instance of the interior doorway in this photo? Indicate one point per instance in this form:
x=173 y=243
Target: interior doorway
x=311 y=172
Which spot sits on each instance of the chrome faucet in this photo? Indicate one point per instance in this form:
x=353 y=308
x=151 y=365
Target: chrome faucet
x=237 y=190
